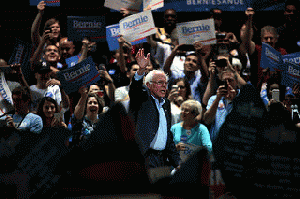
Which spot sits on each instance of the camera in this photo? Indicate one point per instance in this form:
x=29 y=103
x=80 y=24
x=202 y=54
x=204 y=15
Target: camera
x=222 y=63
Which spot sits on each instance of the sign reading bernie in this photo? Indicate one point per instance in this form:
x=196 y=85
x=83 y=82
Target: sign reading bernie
x=202 y=30
x=91 y=27
x=82 y=74
x=287 y=64
x=137 y=26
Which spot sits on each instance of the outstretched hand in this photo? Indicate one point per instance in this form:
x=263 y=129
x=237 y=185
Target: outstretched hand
x=41 y=6
x=142 y=61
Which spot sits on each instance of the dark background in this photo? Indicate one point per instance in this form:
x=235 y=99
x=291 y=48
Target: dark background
x=17 y=18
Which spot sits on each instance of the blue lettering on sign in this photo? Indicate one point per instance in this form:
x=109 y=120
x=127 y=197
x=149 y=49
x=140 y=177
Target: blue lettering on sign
x=135 y=22
x=186 y=30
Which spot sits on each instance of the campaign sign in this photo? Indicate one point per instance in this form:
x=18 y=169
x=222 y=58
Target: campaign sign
x=137 y=26
x=152 y=4
x=131 y=5
x=21 y=55
x=291 y=69
x=205 y=5
x=202 y=30
x=82 y=74
x=91 y=27
x=48 y=3
x=112 y=35
x=72 y=61
x=270 y=58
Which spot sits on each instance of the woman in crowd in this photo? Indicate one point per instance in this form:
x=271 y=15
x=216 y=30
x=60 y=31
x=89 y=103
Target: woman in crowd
x=87 y=112
x=52 y=27
x=46 y=110
x=189 y=130
x=180 y=92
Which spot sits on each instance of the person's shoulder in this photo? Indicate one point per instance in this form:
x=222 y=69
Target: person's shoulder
x=33 y=116
x=176 y=126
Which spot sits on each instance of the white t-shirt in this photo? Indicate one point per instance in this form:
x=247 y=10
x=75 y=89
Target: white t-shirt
x=38 y=94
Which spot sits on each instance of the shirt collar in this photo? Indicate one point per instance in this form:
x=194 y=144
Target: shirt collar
x=157 y=101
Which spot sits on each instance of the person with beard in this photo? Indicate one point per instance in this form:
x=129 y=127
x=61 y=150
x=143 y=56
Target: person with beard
x=290 y=32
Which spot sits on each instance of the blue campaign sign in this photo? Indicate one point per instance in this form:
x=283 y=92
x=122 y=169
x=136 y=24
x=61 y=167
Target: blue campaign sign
x=72 y=61
x=291 y=69
x=112 y=35
x=48 y=3
x=82 y=74
x=205 y=5
x=91 y=27
x=270 y=58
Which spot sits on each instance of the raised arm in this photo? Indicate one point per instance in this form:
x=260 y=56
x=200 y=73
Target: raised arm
x=35 y=29
x=169 y=60
x=203 y=52
x=80 y=107
x=247 y=45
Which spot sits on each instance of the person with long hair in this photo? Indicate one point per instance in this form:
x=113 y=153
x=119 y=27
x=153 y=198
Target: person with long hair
x=180 y=92
x=46 y=110
x=87 y=112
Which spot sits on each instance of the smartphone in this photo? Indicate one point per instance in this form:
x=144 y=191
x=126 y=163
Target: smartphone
x=275 y=95
x=225 y=84
x=49 y=28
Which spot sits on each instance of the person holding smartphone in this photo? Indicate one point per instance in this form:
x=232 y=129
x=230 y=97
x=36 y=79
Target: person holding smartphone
x=220 y=105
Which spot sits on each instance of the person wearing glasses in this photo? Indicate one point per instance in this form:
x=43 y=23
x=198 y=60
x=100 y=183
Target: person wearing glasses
x=151 y=113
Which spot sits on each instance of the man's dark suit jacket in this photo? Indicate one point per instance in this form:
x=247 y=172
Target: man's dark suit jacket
x=146 y=117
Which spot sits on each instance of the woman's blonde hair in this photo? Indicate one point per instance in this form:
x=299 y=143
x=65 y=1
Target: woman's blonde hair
x=194 y=105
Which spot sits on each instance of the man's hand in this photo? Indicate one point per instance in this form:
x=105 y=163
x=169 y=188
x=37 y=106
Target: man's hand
x=204 y=50
x=41 y=6
x=230 y=37
x=180 y=147
x=212 y=68
x=221 y=92
x=10 y=121
x=52 y=82
x=104 y=74
x=142 y=61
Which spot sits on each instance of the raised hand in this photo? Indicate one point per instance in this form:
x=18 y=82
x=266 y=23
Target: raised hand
x=249 y=12
x=142 y=61
x=41 y=6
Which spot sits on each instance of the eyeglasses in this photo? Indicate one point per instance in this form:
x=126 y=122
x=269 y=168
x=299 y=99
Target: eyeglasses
x=160 y=83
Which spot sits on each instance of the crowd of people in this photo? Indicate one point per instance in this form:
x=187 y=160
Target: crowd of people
x=174 y=93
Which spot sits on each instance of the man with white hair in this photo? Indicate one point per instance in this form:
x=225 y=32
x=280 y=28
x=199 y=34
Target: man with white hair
x=152 y=116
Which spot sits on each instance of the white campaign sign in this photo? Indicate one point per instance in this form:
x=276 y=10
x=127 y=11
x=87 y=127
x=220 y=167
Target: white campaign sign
x=137 y=26
x=131 y=5
x=153 y=4
x=202 y=30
